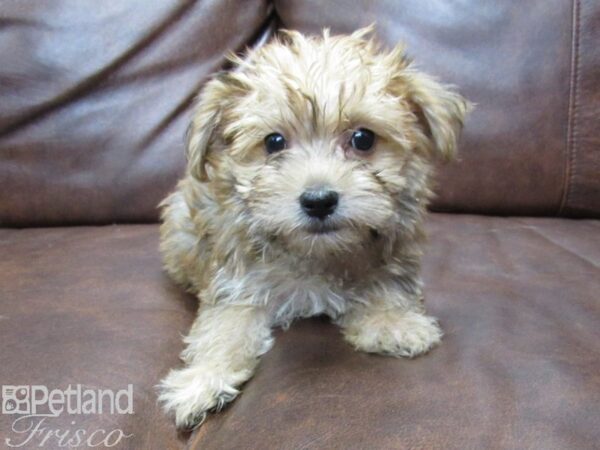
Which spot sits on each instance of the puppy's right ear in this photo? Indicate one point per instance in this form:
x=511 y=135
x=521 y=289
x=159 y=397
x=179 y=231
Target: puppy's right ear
x=203 y=132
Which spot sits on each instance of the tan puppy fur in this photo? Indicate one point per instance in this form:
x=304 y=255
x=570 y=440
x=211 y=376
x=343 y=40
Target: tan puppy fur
x=235 y=233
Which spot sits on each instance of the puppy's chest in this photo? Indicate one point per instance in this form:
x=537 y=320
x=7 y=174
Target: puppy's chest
x=304 y=287
x=337 y=272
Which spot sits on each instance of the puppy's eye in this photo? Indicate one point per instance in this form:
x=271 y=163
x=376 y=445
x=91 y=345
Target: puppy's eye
x=274 y=142
x=362 y=139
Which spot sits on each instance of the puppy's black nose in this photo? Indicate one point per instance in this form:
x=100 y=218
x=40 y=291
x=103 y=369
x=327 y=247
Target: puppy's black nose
x=319 y=203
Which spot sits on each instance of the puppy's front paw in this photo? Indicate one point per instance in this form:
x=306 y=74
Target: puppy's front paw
x=191 y=392
x=392 y=332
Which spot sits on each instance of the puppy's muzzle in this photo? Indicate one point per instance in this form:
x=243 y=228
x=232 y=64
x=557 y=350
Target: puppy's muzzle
x=319 y=203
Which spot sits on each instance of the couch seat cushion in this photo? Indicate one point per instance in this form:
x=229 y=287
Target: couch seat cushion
x=518 y=367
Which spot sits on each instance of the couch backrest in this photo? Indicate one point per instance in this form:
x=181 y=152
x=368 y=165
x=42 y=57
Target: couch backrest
x=95 y=97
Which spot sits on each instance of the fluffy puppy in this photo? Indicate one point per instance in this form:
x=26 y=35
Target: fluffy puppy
x=306 y=186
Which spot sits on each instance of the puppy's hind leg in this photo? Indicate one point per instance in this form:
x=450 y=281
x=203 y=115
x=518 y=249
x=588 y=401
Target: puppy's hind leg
x=222 y=353
x=179 y=241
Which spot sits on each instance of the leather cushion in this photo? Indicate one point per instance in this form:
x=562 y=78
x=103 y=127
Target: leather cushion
x=518 y=366
x=96 y=98
x=531 y=145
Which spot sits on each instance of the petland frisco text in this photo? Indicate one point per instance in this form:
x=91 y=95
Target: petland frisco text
x=37 y=406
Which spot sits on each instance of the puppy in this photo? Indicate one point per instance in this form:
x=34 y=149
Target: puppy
x=306 y=186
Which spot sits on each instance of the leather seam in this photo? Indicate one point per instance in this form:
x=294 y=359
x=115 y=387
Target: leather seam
x=571 y=144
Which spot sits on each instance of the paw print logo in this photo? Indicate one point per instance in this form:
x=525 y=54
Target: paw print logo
x=15 y=400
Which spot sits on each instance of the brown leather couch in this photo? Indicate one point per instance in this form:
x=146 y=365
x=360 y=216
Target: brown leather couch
x=94 y=101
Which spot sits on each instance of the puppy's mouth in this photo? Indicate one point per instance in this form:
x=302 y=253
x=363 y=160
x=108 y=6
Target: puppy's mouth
x=322 y=227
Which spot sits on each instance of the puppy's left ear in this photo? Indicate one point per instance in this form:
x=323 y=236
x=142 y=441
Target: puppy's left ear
x=440 y=110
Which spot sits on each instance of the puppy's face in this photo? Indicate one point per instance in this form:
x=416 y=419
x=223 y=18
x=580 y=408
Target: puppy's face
x=323 y=144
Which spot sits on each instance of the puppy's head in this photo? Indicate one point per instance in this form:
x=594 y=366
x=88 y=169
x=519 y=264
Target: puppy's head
x=323 y=144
